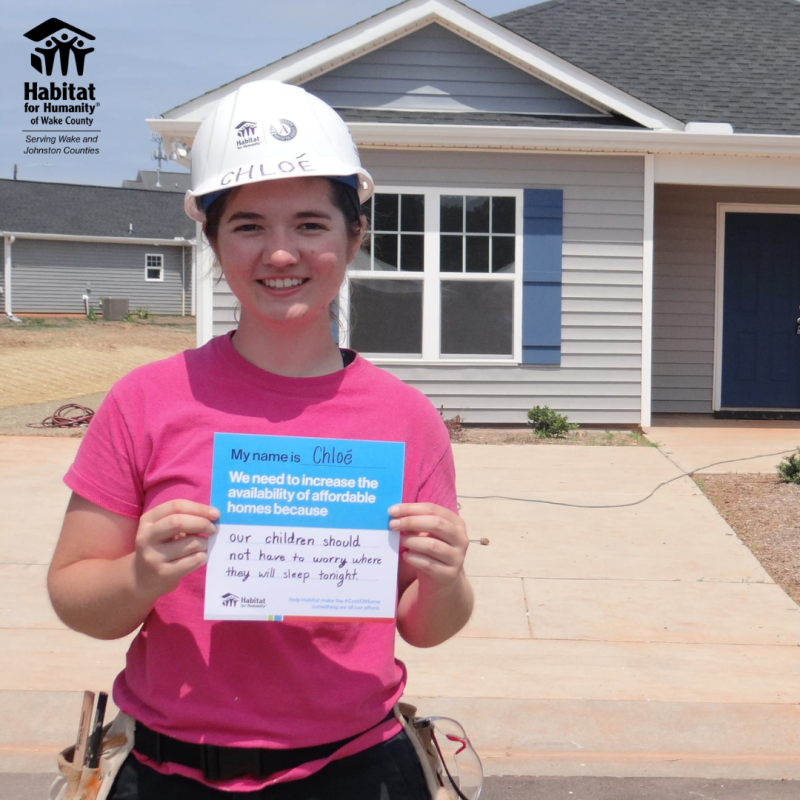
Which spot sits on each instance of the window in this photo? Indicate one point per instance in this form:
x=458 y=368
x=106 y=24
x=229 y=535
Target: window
x=438 y=278
x=154 y=267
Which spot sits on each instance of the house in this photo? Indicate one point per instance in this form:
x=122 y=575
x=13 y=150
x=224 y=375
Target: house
x=66 y=246
x=160 y=181
x=589 y=204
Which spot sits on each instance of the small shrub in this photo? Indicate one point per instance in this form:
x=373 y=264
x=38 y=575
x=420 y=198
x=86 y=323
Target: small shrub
x=141 y=313
x=548 y=424
x=454 y=426
x=789 y=468
x=91 y=314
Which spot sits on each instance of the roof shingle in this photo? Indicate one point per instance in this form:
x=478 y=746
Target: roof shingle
x=79 y=210
x=730 y=61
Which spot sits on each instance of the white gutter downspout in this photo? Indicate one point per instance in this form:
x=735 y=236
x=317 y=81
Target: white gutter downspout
x=7 y=242
x=647 y=290
x=194 y=279
x=205 y=289
x=183 y=281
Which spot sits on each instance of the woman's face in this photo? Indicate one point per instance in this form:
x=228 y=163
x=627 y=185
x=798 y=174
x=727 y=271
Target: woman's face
x=284 y=248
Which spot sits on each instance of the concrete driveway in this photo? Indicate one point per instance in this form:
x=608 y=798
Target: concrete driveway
x=642 y=640
x=694 y=440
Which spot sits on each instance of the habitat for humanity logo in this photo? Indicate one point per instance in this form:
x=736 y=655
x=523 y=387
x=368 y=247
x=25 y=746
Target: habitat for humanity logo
x=246 y=135
x=56 y=35
x=53 y=106
x=230 y=599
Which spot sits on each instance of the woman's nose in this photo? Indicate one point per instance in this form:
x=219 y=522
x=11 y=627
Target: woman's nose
x=279 y=254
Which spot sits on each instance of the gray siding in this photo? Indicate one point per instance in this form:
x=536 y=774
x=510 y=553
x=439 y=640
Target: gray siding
x=684 y=280
x=52 y=276
x=599 y=379
x=434 y=69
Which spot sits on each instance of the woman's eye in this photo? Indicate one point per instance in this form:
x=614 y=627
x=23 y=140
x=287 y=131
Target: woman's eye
x=311 y=226
x=246 y=227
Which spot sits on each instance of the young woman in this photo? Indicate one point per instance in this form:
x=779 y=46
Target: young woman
x=273 y=710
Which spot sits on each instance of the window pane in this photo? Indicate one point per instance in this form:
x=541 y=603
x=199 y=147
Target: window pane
x=411 y=259
x=153 y=274
x=477 y=253
x=477 y=317
x=386 y=212
x=413 y=216
x=366 y=210
x=362 y=259
x=502 y=254
x=450 y=254
x=386 y=316
x=452 y=214
x=504 y=214
x=478 y=214
x=385 y=245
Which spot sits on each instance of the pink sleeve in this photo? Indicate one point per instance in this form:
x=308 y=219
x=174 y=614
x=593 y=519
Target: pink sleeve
x=104 y=471
x=440 y=485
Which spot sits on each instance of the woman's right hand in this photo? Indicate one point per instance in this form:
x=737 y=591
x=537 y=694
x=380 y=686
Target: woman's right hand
x=171 y=541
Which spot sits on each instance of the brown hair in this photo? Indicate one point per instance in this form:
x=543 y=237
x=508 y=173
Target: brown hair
x=344 y=197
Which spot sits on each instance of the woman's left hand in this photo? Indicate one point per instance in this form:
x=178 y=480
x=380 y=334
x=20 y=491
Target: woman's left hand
x=434 y=542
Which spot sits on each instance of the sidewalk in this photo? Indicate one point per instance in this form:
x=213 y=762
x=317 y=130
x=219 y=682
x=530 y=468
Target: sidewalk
x=640 y=641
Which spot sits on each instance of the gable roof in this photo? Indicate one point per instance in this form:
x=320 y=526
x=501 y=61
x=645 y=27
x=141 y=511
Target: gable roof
x=397 y=22
x=696 y=60
x=79 y=210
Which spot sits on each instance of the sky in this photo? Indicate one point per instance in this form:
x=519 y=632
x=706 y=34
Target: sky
x=148 y=58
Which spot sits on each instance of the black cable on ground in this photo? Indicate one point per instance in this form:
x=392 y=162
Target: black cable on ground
x=620 y=505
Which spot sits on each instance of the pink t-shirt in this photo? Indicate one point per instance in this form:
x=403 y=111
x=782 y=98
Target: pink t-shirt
x=252 y=684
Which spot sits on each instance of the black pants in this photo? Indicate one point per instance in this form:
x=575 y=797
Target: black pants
x=387 y=771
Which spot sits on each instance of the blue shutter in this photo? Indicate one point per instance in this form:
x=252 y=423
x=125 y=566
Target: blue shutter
x=543 y=211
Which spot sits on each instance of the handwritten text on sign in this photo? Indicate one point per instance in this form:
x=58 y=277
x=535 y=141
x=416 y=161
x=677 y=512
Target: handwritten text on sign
x=303 y=530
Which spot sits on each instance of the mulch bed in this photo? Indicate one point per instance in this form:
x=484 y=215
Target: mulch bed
x=765 y=514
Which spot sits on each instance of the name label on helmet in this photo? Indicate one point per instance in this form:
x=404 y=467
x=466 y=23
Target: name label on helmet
x=261 y=170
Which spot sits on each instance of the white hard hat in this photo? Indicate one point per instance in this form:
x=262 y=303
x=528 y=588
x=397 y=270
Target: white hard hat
x=266 y=130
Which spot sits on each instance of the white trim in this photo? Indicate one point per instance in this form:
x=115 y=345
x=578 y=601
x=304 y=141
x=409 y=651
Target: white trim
x=719 y=294
x=412 y=15
x=147 y=266
x=463 y=362
x=578 y=141
x=63 y=237
x=522 y=139
x=720 y=170
x=431 y=290
x=647 y=290
x=8 y=240
x=204 y=259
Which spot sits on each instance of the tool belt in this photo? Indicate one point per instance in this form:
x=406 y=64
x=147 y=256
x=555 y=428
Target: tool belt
x=219 y=763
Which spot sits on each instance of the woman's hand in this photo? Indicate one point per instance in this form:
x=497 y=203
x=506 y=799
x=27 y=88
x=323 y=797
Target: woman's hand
x=171 y=541
x=434 y=542
x=435 y=598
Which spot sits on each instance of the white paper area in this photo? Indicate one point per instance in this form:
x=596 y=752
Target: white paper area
x=258 y=572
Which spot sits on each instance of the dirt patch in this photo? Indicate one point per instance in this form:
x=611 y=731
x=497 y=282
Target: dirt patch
x=765 y=514
x=590 y=437
x=60 y=359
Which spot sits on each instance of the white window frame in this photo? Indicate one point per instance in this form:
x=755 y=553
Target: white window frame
x=147 y=266
x=431 y=279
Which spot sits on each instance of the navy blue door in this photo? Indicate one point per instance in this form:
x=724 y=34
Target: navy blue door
x=761 y=306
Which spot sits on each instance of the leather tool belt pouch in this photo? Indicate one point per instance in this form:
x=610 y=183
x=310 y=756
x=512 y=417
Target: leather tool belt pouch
x=77 y=782
x=438 y=784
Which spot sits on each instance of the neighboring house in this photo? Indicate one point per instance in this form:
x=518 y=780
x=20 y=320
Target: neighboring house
x=589 y=204
x=160 y=181
x=67 y=242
